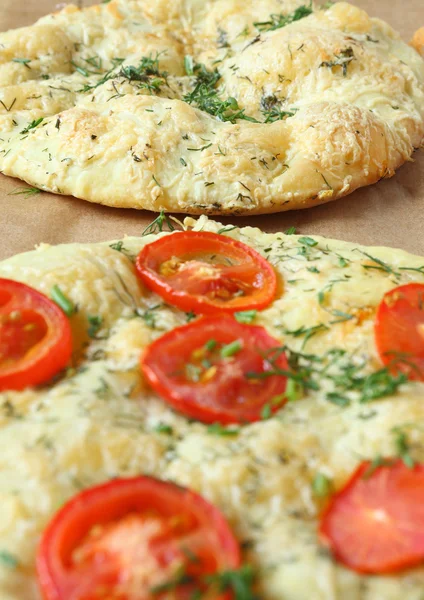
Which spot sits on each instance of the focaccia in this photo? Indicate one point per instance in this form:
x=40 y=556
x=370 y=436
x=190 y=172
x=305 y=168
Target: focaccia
x=218 y=107
x=101 y=420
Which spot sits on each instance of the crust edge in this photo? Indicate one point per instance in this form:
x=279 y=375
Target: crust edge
x=417 y=41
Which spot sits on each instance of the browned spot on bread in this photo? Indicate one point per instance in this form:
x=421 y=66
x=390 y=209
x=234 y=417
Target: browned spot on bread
x=418 y=41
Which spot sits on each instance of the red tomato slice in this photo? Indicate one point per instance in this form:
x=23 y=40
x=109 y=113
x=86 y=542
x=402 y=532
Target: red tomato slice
x=187 y=368
x=204 y=272
x=135 y=539
x=399 y=329
x=375 y=523
x=35 y=337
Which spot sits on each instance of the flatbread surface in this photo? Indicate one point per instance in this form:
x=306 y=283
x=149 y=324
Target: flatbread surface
x=219 y=107
x=100 y=420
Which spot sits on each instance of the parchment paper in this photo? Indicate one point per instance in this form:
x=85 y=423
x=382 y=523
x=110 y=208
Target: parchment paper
x=389 y=213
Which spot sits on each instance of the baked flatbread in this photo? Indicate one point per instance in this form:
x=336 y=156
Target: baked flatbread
x=219 y=107
x=101 y=420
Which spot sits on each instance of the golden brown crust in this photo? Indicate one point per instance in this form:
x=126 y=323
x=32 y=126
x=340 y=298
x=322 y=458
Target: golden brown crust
x=418 y=41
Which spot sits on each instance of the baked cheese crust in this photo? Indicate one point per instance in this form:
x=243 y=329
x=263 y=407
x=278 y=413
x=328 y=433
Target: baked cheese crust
x=100 y=420
x=217 y=107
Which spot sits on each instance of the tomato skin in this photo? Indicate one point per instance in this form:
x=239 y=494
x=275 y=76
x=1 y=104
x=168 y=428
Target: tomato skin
x=375 y=523
x=26 y=361
x=229 y=397
x=399 y=330
x=108 y=502
x=252 y=271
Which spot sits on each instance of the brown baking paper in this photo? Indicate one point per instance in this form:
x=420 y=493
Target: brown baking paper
x=389 y=213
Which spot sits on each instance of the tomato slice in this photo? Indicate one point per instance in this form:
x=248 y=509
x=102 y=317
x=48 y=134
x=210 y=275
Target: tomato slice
x=399 y=329
x=375 y=523
x=135 y=539
x=218 y=370
x=35 y=337
x=204 y=272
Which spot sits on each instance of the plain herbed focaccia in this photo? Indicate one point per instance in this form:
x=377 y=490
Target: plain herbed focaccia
x=345 y=390
x=218 y=107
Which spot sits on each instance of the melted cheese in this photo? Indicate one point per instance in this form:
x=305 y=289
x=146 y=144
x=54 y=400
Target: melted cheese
x=99 y=420
x=349 y=92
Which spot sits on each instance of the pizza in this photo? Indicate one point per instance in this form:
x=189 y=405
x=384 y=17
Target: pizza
x=218 y=107
x=211 y=412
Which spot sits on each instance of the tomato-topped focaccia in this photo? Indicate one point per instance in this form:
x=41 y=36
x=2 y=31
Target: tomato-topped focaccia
x=213 y=413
